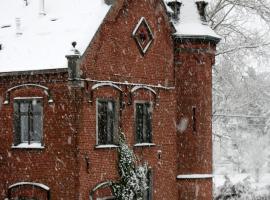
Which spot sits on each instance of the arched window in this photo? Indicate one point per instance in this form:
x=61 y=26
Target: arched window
x=104 y=190
x=28 y=191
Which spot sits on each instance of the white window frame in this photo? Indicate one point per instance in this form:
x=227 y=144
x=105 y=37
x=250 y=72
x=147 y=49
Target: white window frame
x=102 y=146
x=34 y=144
x=143 y=144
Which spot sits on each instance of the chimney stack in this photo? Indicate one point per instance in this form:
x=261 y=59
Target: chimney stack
x=42 y=7
x=175 y=6
x=74 y=73
x=201 y=5
x=109 y=2
x=18 y=26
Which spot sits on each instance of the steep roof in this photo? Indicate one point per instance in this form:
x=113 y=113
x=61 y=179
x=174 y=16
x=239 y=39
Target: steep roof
x=190 y=24
x=45 y=39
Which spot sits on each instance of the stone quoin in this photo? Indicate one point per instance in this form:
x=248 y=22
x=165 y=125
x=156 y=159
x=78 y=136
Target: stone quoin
x=73 y=72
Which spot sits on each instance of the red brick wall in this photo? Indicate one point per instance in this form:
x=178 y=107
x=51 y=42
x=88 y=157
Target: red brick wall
x=56 y=164
x=194 y=60
x=103 y=162
x=114 y=55
x=195 y=189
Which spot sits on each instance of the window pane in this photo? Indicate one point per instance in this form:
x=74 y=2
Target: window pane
x=37 y=128
x=143 y=123
x=28 y=121
x=37 y=107
x=24 y=107
x=16 y=107
x=106 y=122
x=110 y=122
x=17 y=124
x=148 y=123
x=148 y=191
x=24 y=128
x=102 y=122
x=139 y=123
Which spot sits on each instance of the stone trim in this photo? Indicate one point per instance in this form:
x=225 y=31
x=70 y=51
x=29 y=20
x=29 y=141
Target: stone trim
x=195 y=176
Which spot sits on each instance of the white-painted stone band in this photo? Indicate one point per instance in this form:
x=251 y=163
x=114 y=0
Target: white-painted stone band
x=194 y=176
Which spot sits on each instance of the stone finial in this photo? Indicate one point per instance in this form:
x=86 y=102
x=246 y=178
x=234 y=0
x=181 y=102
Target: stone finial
x=201 y=5
x=175 y=6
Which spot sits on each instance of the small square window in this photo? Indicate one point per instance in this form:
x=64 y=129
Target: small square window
x=143 y=122
x=28 y=121
x=106 y=122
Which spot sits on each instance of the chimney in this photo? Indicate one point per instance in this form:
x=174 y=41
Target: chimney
x=74 y=73
x=109 y=2
x=42 y=7
x=18 y=26
x=201 y=5
x=175 y=6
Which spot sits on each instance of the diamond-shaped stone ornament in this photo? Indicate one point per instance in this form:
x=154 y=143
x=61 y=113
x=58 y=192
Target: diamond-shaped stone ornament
x=143 y=35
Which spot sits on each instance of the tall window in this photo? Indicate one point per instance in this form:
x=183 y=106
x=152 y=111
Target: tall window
x=28 y=121
x=148 y=192
x=106 y=122
x=143 y=122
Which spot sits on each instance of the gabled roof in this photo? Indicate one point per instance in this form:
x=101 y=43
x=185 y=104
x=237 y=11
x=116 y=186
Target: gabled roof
x=46 y=39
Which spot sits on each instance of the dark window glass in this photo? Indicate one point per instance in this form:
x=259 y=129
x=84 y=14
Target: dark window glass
x=148 y=191
x=143 y=123
x=28 y=124
x=106 y=122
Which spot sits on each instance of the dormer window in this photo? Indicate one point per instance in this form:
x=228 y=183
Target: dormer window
x=28 y=122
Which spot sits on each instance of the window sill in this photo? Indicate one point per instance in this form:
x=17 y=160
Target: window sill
x=144 y=145
x=28 y=146
x=106 y=146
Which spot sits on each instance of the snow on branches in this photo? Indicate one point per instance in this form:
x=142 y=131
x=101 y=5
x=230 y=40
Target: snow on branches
x=133 y=178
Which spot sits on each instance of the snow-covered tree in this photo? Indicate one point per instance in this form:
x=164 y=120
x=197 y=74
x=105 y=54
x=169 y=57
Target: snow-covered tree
x=133 y=178
x=240 y=92
x=238 y=191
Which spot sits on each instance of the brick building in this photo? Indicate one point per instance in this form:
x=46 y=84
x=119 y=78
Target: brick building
x=142 y=65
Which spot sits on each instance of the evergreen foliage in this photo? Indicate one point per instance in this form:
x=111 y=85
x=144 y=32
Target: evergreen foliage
x=133 y=178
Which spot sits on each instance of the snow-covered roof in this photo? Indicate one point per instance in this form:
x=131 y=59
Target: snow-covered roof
x=190 y=24
x=44 y=40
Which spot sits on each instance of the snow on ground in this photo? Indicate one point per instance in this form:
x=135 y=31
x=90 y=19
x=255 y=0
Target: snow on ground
x=44 y=40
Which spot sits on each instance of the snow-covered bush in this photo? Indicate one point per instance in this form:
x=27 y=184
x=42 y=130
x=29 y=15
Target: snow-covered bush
x=239 y=191
x=133 y=178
